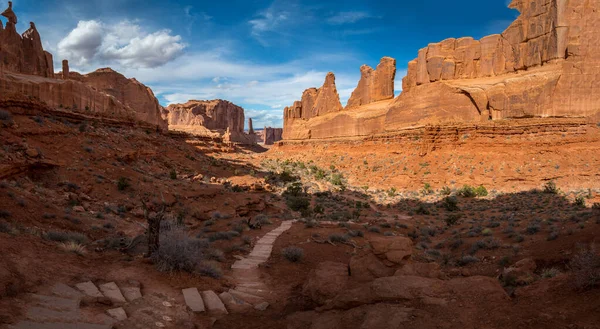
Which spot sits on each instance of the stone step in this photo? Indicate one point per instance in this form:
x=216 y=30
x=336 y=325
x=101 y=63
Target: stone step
x=117 y=313
x=193 y=300
x=89 y=289
x=255 y=285
x=59 y=325
x=112 y=292
x=131 y=293
x=249 y=298
x=234 y=304
x=42 y=314
x=55 y=303
x=254 y=291
x=242 y=266
x=213 y=303
x=62 y=290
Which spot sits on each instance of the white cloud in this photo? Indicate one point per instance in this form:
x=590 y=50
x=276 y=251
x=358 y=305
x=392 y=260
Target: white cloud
x=126 y=43
x=264 y=118
x=348 y=17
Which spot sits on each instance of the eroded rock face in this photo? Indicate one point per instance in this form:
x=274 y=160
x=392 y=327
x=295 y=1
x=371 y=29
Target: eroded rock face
x=374 y=85
x=545 y=64
x=23 y=53
x=218 y=115
x=130 y=92
x=326 y=281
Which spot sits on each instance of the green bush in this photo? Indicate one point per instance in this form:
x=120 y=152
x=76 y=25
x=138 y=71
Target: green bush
x=550 y=187
x=445 y=190
x=580 y=201
x=467 y=191
x=481 y=191
x=452 y=219
x=173 y=174
x=450 y=203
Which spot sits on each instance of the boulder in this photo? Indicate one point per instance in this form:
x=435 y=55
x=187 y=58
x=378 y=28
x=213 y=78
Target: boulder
x=521 y=273
x=393 y=248
x=368 y=267
x=427 y=270
x=326 y=281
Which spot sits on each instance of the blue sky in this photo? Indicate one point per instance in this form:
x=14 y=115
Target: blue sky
x=258 y=54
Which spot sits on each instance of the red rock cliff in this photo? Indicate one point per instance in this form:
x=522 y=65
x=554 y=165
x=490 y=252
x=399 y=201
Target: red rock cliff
x=546 y=64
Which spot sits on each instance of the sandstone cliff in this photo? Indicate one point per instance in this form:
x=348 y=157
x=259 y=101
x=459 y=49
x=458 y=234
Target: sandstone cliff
x=23 y=53
x=546 y=64
x=28 y=70
x=209 y=118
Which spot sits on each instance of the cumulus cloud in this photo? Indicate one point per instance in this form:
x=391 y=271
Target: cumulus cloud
x=126 y=44
x=348 y=17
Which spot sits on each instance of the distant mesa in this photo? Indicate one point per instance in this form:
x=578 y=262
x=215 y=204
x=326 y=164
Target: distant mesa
x=545 y=64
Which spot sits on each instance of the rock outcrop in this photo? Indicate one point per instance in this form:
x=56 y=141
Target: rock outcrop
x=374 y=85
x=544 y=65
x=217 y=118
x=23 y=53
x=272 y=135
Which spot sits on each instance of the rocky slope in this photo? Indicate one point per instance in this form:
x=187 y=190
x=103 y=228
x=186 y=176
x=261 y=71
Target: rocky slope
x=27 y=70
x=544 y=65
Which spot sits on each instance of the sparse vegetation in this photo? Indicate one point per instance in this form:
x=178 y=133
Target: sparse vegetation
x=60 y=236
x=586 y=268
x=293 y=254
x=550 y=187
x=73 y=247
x=122 y=183
x=450 y=203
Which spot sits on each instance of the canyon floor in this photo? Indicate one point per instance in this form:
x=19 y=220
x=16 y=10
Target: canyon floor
x=457 y=228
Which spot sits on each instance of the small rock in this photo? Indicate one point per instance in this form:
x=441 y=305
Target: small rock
x=78 y=209
x=262 y=306
x=32 y=153
x=117 y=313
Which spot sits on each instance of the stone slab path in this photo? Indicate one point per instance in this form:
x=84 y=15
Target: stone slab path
x=250 y=291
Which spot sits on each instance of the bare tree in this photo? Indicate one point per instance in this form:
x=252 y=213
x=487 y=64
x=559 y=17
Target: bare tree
x=153 y=224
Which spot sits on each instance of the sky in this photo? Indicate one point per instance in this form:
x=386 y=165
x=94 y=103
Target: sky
x=258 y=54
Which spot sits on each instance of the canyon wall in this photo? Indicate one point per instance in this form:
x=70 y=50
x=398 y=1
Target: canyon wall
x=546 y=64
x=26 y=69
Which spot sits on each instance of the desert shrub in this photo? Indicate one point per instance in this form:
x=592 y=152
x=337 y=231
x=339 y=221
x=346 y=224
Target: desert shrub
x=83 y=127
x=73 y=247
x=450 y=203
x=452 y=219
x=553 y=236
x=532 y=228
x=428 y=231
x=5 y=227
x=337 y=179
x=519 y=238
x=356 y=233
x=122 y=183
x=336 y=237
x=293 y=254
x=550 y=273
x=178 y=252
x=422 y=210
x=596 y=206
x=263 y=219
x=467 y=191
x=374 y=229
x=310 y=224
x=392 y=192
x=550 y=187
x=60 y=236
x=580 y=201
x=223 y=235
x=487 y=232
x=215 y=254
x=427 y=190
x=4 y=214
x=297 y=203
x=586 y=268
x=481 y=191
x=466 y=260
x=319 y=209
x=445 y=191
x=173 y=174
x=209 y=270
x=6 y=118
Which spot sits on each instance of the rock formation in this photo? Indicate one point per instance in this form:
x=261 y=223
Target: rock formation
x=544 y=65
x=217 y=118
x=28 y=70
x=374 y=85
x=272 y=135
x=23 y=53
x=250 y=128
